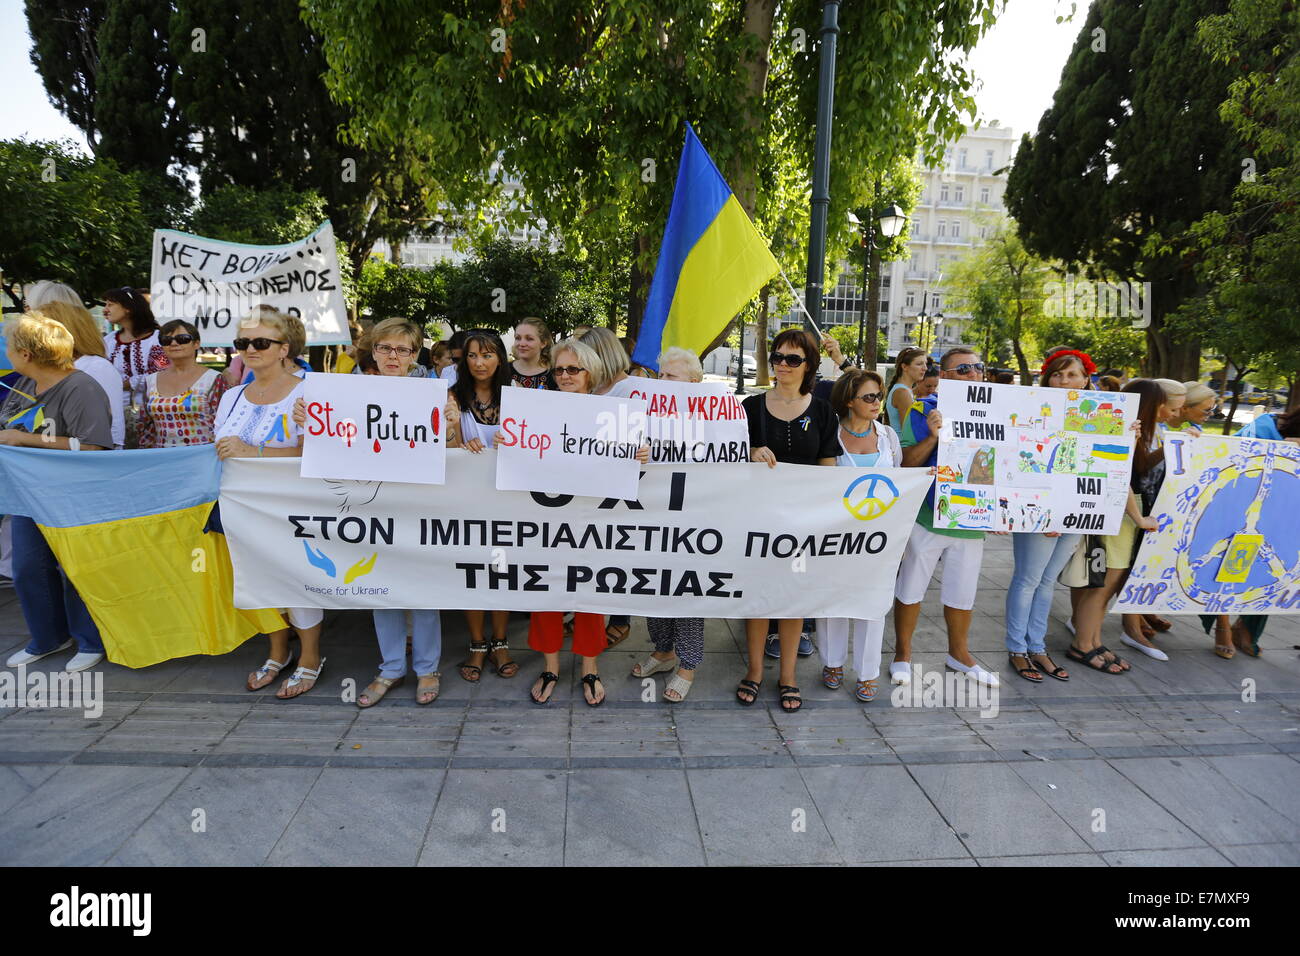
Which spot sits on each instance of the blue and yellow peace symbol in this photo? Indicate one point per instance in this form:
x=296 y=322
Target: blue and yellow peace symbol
x=872 y=501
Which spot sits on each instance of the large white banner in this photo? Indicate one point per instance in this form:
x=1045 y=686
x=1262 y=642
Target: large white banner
x=374 y=428
x=701 y=541
x=1032 y=459
x=213 y=284
x=1228 y=540
x=569 y=444
x=690 y=421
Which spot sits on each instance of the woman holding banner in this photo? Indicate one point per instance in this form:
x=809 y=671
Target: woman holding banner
x=578 y=369
x=613 y=357
x=787 y=424
x=88 y=357
x=52 y=405
x=1040 y=557
x=864 y=443
x=255 y=420
x=181 y=401
x=474 y=403
x=1148 y=473
x=679 y=642
x=532 y=365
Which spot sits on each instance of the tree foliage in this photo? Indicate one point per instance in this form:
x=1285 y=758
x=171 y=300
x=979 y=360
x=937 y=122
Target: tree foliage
x=70 y=218
x=1130 y=155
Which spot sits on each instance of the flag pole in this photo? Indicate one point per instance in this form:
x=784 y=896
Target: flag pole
x=802 y=307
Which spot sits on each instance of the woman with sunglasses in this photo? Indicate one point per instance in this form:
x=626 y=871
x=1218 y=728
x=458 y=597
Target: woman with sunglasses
x=474 y=402
x=864 y=443
x=578 y=369
x=1040 y=557
x=181 y=401
x=255 y=420
x=393 y=345
x=787 y=424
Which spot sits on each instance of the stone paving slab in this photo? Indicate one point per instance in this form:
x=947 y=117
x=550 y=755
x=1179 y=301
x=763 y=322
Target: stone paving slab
x=1195 y=761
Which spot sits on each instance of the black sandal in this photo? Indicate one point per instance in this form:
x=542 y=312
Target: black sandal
x=1074 y=654
x=1029 y=673
x=475 y=669
x=547 y=679
x=509 y=668
x=1118 y=660
x=591 y=680
x=749 y=687
x=789 y=692
x=1053 y=670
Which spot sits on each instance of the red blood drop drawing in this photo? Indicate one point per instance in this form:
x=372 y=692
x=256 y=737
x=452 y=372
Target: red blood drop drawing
x=433 y=420
x=376 y=446
x=412 y=442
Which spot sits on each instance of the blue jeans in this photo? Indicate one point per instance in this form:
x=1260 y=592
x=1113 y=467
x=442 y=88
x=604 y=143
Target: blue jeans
x=1039 y=559
x=426 y=641
x=51 y=605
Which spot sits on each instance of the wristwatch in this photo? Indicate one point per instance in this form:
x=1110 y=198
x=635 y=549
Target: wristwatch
x=845 y=364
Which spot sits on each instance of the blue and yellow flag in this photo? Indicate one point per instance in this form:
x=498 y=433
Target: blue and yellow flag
x=127 y=528
x=711 y=261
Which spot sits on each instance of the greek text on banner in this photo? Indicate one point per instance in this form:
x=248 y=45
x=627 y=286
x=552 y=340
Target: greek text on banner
x=701 y=541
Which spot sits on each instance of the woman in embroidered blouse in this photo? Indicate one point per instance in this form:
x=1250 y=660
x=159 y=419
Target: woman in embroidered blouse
x=181 y=401
x=134 y=349
x=255 y=420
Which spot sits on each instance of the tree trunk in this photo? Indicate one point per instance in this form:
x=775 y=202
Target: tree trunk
x=1166 y=357
x=762 y=374
x=638 y=284
x=870 y=339
x=758 y=23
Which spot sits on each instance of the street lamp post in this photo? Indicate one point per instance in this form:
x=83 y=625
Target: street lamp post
x=890 y=223
x=821 y=172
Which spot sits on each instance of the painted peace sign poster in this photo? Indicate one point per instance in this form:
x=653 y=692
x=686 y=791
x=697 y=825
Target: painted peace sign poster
x=1228 y=541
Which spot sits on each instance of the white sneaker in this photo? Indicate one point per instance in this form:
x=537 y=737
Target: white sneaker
x=900 y=672
x=22 y=658
x=984 y=677
x=1154 y=653
x=83 y=660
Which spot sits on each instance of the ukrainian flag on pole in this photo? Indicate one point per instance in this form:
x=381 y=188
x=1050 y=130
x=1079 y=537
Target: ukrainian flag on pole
x=711 y=261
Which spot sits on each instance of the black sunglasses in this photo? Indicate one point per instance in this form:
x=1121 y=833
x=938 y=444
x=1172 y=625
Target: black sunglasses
x=567 y=369
x=871 y=398
x=183 y=338
x=965 y=368
x=789 y=358
x=260 y=344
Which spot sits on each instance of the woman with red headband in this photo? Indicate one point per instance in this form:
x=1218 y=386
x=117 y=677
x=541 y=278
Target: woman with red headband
x=1040 y=557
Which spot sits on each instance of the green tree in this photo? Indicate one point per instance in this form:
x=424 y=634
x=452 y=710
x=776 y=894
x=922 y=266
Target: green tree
x=1132 y=149
x=269 y=216
x=387 y=289
x=1248 y=254
x=586 y=103
x=70 y=218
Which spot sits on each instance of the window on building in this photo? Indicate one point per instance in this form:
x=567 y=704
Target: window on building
x=907 y=328
x=941 y=229
x=984 y=195
x=911 y=300
x=884 y=306
x=984 y=232
x=988 y=159
x=943 y=193
x=916 y=227
x=959 y=193
x=961 y=158
x=935 y=300
x=956 y=228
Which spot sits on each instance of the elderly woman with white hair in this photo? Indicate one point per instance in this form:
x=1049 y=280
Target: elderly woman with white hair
x=679 y=642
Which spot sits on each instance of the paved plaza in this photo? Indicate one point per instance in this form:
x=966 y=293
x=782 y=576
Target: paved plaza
x=1167 y=766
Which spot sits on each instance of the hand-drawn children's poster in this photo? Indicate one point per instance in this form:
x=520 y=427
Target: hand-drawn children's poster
x=1228 y=541
x=1033 y=459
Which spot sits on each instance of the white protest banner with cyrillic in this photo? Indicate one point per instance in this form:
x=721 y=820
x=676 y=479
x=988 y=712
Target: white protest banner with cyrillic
x=213 y=284
x=565 y=443
x=375 y=428
x=703 y=541
x=1032 y=459
x=1227 y=540
x=689 y=421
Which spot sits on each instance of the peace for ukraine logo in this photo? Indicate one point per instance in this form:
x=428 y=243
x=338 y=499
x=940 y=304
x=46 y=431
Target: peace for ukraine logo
x=870 y=496
x=319 y=559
